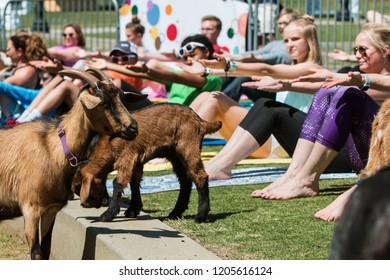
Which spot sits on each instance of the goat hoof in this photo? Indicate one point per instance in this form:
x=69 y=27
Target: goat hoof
x=105 y=202
x=200 y=219
x=106 y=217
x=131 y=213
x=86 y=205
x=173 y=217
x=71 y=196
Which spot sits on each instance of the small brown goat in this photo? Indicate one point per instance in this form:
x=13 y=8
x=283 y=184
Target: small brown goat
x=35 y=173
x=171 y=131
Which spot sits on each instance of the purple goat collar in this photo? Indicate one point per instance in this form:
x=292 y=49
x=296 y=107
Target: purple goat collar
x=73 y=161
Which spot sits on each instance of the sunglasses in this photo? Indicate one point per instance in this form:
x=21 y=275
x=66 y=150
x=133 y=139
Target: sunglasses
x=123 y=58
x=361 y=49
x=189 y=48
x=68 y=34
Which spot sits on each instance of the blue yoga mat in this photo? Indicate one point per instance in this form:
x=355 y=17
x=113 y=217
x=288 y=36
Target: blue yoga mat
x=213 y=142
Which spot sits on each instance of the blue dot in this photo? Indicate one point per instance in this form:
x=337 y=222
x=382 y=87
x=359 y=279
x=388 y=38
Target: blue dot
x=154 y=15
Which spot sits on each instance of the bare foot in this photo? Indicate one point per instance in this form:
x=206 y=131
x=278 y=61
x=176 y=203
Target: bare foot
x=215 y=173
x=278 y=182
x=294 y=188
x=333 y=211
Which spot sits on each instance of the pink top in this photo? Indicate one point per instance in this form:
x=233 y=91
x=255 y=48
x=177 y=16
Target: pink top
x=66 y=63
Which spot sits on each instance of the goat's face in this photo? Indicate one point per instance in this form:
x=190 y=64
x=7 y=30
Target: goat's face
x=107 y=113
x=90 y=189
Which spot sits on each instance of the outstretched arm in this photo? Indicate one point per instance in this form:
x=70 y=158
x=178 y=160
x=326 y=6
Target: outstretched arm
x=278 y=71
x=379 y=84
x=274 y=85
x=155 y=70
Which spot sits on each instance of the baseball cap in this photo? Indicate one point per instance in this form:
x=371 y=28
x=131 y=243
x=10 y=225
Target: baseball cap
x=125 y=47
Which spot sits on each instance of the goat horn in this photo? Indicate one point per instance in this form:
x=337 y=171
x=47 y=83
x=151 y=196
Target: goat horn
x=98 y=74
x=77 y=74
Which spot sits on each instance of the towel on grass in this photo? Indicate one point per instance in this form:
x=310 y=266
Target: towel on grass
x=245 y=176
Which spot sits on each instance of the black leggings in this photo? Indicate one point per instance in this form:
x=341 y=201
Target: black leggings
x=268 y=117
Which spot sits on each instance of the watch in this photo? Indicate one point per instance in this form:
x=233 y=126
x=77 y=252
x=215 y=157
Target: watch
x=367 y=84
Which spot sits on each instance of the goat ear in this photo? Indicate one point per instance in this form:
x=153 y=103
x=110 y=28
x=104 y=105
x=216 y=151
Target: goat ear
x=85 y=189
x=90 y=101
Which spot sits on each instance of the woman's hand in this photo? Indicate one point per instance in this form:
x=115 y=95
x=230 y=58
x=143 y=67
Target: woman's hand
x=46 y=64
x=319 y=75
x=139 y=68
x=218 y=63
x=192 y=67
x=352 y=79
x=268 y=84
x=339 y=55
x=98 y=63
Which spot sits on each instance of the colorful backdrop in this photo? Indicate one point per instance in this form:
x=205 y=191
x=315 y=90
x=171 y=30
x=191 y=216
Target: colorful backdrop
x=168 y=22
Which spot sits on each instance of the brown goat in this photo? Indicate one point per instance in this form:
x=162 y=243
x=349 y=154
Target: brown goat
x=379 y=154
x=35 y=173
x=171 y=131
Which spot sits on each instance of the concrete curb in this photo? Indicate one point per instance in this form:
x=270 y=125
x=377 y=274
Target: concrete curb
x=77 y=236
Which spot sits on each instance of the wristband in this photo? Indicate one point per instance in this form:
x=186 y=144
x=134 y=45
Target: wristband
x=233 y=67
x=367 y=84
x=206 y=72
x=227 y=68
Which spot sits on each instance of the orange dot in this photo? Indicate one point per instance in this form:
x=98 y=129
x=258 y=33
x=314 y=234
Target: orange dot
x=124 y=10
x=168 y=10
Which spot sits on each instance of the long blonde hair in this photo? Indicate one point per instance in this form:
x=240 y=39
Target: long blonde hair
x=309 y=31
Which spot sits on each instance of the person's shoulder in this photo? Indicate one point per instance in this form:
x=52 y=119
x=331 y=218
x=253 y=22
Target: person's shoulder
x=218 y=49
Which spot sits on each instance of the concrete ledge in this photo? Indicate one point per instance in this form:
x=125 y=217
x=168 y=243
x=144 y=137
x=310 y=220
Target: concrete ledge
x=78 y=236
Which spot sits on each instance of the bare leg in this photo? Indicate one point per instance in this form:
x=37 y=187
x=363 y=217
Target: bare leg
x=44 y=92
x=305 y=182
x=212 y=106
x=66 y=91
x=300 y=156
x=333 y=211
x=239 y=146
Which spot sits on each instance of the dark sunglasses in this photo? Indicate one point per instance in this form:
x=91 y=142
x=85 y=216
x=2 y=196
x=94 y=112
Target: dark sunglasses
x=361 y=49
x=68 y=34
x=123 y=58
x=189 y=48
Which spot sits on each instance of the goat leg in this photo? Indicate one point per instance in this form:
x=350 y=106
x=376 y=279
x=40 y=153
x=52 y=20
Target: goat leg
x=136 y=200
x=114 y=205
x=185 y=188
x=47 y=225
x=46 y=242
x=202 y=185
x=203 y=204
x=35 y=251
x=106 y=197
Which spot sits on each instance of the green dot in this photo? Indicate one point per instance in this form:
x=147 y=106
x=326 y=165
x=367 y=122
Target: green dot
x=134 y=10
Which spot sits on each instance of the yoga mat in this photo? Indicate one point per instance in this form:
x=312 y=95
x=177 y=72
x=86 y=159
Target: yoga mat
x=246 y=176
x=206 y=156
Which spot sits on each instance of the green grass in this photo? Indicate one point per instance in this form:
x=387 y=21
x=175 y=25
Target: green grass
x=240 y=227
